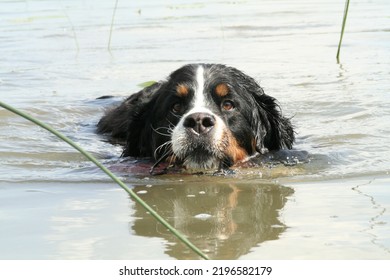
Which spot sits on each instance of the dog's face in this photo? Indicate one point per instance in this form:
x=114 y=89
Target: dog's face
x=211 y=121
x=205 y=116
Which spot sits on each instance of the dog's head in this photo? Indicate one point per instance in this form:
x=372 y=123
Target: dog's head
x=203 y=116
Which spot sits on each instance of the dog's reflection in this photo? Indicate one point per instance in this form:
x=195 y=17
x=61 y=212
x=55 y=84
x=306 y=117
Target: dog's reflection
x=223 y=220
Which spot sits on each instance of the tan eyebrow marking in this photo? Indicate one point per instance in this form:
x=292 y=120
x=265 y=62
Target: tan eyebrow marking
x=182 y=90
x=222 y=90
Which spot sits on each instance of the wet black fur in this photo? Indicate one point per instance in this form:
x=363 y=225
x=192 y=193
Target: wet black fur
x=144 y=120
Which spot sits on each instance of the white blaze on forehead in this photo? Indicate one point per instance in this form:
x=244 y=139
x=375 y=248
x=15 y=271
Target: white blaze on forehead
x=199 y=100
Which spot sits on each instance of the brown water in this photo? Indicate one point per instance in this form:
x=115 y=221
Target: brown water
x=54 y=62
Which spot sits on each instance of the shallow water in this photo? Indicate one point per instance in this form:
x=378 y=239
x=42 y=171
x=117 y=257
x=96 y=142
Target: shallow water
x=55 y=63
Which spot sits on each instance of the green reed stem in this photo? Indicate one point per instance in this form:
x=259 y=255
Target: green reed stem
x=112 y=25
x=342 y=28
x=72 y=28
x=111 y=175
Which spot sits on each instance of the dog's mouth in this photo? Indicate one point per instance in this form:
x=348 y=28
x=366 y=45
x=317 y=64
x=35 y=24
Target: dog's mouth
x=214 y=151
x=193 y=158
x=201 y=158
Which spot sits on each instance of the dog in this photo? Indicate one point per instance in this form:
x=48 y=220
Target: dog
x=202 y=117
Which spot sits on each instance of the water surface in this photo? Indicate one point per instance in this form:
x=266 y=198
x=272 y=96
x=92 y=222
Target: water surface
x=55 y=62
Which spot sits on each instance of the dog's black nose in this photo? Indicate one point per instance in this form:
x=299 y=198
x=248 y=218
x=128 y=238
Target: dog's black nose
x=200 y=123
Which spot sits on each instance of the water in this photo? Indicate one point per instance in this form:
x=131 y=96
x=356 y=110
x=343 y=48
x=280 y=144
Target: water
x=55 y=62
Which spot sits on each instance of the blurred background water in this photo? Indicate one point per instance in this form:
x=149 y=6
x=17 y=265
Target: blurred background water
x=56 y=58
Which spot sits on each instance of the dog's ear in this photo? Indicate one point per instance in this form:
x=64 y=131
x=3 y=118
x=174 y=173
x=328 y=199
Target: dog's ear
x=129 y=121
x=273 y=131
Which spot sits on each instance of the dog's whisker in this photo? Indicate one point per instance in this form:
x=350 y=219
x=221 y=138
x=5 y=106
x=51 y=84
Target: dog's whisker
x=166 y=146
x=175 y=115
x=172 y=159
x=171 y=126
x=167 y=129
x=170 y=123
x=161 y=159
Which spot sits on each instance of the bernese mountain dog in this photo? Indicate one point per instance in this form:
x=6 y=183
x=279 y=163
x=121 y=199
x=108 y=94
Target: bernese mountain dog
x=202 y=117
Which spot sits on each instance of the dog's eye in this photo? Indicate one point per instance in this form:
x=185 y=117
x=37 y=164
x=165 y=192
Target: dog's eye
x=176 y=108
x=227 y=105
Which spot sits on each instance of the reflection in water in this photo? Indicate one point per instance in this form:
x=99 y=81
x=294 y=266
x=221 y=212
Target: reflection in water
x=224 y=220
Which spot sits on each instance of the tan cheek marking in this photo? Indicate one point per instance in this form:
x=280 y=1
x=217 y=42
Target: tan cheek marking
x=222 y=90
x=235 y=151
x=182 y=90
